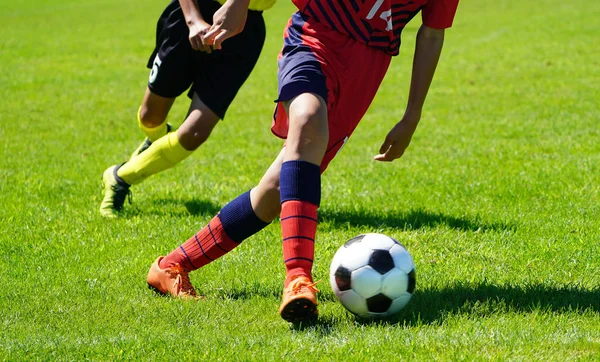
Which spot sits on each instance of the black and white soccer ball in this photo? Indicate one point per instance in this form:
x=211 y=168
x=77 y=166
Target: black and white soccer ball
x=373 y=276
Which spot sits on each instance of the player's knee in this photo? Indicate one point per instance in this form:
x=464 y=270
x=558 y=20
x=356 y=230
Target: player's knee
x=308 y=115
x=151 y=119
x=309 y=126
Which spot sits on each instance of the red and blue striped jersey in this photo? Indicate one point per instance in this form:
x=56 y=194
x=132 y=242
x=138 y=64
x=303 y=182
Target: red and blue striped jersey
x=378 y=23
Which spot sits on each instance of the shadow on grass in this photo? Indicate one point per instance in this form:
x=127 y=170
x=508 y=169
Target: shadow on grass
x=411 y=220
x=432 y=306
x=254 y=290
x=171 y=207
x=247 y=292
x=202 y=207
x=323 y=326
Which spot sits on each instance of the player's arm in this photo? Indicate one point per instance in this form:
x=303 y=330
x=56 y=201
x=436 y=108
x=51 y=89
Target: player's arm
x=228 y=21
x=437 y=16
x=196 y=23
x=427 y=53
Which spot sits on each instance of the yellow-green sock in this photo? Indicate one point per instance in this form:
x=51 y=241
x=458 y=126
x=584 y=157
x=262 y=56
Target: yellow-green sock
x=153 y=133
x=163 y=154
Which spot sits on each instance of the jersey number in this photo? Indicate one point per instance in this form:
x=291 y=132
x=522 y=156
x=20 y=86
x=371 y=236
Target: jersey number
x=385 y=15
x=154 y=72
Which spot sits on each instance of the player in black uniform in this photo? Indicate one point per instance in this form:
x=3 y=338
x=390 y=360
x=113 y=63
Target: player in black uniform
x=182 y=61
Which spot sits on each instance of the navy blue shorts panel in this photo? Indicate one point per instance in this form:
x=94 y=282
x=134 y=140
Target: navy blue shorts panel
x=216 y=77
x=299 y=69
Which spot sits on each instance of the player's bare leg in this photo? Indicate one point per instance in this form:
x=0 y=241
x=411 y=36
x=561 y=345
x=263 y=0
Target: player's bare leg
x=241 y=218
x=265 y=196
x=152 y=117
x=308 y=131
x=152 y=157
x=193 y=132
x=300 y=189
x=173 y=148
x=154 y=109
x=198 y=125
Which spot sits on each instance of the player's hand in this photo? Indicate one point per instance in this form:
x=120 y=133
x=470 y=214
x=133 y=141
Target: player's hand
x=197 y=32
x=398 y=139
x=228 y=21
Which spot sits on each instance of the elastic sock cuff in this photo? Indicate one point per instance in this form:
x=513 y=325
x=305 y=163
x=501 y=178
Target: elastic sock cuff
x=176 y=152
x=239 y=220
x=300 y=180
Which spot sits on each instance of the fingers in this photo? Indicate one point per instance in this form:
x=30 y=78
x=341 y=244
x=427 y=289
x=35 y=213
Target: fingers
x=383 y=158
x=220 y=38
x=216 y=36
x=386 y=157
x=206 y=48
x=385 y=146
x=208 y=38
x=197 y=44
x=387 y=153
x=384 y=152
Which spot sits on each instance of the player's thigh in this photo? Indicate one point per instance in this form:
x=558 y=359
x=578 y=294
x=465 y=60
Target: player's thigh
x=308 y=132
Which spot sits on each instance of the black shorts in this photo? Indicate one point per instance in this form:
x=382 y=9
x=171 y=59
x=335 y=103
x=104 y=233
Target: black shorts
x=215 y=77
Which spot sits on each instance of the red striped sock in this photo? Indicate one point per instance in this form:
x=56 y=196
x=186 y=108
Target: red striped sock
x=208 y=244
x=298 y=229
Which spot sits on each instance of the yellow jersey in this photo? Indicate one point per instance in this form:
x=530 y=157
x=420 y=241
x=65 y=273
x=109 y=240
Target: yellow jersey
x=259 y=5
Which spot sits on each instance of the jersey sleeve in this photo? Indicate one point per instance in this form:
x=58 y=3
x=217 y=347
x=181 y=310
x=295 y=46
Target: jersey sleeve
x=439 y=14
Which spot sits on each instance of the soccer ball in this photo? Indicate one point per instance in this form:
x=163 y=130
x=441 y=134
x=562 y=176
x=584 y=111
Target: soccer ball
x=372 y=275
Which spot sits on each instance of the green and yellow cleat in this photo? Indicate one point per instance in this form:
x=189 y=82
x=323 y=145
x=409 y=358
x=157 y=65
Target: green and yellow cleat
x=115 y=192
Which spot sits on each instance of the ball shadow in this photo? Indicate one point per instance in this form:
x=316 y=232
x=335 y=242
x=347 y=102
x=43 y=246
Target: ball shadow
x=433 y=306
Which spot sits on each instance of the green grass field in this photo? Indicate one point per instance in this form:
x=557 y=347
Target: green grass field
x=497 y=198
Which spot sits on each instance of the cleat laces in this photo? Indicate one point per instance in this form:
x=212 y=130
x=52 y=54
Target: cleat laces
x=301 y=286
x=182 y=284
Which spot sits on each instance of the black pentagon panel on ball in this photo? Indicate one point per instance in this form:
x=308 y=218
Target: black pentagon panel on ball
x=378 y=303
x=343 y=278
x=412 y=281
x=355 y=239
x=382 y=261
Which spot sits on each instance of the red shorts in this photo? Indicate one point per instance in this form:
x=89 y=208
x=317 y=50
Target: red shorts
x=345 y=73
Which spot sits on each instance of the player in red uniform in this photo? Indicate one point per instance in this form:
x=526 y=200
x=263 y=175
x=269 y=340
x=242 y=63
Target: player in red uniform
x=334 y=58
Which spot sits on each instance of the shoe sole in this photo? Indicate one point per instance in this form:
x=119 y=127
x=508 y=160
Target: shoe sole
x=299 y=310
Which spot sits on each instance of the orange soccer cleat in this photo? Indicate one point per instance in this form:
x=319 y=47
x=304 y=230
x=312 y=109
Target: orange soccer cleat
x=299 y=300
x=173 y=280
